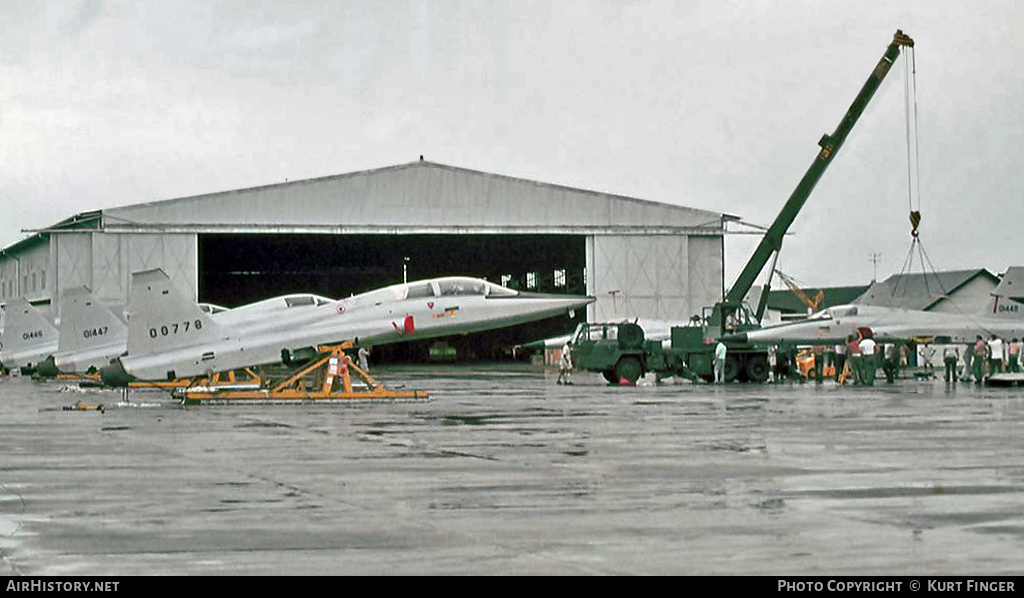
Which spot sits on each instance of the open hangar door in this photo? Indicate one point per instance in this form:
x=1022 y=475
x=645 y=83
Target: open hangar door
x=235 y=269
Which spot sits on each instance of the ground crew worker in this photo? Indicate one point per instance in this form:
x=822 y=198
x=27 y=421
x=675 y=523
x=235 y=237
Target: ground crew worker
x=891 y=365
x=968 y=355
x=950 y=355
x=840 y=361
x=853 y=351
x=980 y=359
x=565 y=364
x=868 y=360
x=720 y=351
x=830 y=356
x=792 y=370
x=927 y=353
x=818 y=352
x=995 y=355
x=1013 y=360
x=364 y=359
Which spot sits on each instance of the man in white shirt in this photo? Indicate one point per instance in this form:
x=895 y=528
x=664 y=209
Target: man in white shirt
x=950 y=357
x=720 y=351
x=995 y=355
x=868 y=360
x=565 y=364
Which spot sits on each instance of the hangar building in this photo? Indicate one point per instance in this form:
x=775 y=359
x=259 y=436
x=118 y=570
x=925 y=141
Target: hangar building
x=349 y=233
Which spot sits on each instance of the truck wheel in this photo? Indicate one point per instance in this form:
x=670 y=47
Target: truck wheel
x=609 y=375
x=732 y=367
x=628 y=369
x=757 y=368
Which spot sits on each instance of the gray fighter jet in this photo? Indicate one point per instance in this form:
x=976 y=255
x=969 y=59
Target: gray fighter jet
x=170 y=337
x=1003 y=316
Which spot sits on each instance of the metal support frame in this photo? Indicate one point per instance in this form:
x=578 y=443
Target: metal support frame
x=332 y=372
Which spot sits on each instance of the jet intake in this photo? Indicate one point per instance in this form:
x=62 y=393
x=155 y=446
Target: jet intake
x=114 y=374
x=48 y=368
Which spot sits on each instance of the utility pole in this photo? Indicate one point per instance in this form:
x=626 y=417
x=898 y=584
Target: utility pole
x=874 y=263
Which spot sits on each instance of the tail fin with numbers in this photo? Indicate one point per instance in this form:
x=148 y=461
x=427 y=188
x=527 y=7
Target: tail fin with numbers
x=161 y=318
x=1008 y=297
x=27 y=333
x=86 y=323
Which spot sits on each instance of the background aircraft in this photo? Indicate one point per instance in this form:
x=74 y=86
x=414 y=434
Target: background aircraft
x=1003 y=316
x=90 y=335
x=654 y=330
x=28 y=336
x=170 y=337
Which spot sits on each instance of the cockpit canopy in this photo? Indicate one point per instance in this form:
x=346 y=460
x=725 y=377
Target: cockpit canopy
x=301 y=300
x=438 y=287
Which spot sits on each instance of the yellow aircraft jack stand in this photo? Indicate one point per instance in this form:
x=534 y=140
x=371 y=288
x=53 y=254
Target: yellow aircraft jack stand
x=332 y=383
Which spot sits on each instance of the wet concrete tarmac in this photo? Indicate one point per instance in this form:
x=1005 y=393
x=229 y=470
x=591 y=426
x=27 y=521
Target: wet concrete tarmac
x=505 y=472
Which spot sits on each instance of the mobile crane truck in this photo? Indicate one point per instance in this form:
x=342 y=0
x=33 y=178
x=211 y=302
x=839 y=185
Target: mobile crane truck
x=621 y=352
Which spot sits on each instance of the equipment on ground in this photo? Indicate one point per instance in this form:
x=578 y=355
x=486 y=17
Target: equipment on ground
x=326 y=378
x=620 y=351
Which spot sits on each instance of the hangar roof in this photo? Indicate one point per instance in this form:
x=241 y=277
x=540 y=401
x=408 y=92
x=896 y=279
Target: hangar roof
x=418 y=197
x=922 y=291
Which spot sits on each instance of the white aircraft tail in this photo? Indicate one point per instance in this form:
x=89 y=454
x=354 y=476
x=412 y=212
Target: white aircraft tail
x=25 y=328
x=1008 y=297
x=161 y=318
x=86 y=323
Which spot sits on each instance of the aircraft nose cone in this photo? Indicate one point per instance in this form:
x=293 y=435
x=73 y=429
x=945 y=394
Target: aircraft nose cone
x=555 y=301
x=114 y=374
x=47 y=368
x=570 y=303
x=577 y=301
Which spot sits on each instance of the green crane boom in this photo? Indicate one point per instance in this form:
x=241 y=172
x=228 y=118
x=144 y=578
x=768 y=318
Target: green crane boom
x=622 y=353
x=830 y=144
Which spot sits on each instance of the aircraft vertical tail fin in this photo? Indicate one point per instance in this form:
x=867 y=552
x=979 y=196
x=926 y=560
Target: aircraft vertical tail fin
x=86 y=323
x=161 y=318
x=1008 y=297
x=25 y=328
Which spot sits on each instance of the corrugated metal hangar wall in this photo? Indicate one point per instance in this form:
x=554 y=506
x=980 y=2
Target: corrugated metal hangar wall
x=348 y=233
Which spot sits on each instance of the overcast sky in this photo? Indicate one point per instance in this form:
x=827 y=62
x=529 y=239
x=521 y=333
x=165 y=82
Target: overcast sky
x=716 y=105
